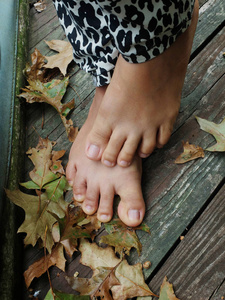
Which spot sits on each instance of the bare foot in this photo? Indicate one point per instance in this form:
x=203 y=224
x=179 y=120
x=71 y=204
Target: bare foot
x=141 y=104
x=95 y=184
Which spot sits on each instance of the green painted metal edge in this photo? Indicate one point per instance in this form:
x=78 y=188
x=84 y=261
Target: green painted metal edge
x=11 y=246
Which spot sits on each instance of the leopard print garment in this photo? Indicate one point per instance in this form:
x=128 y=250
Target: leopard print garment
x=137 y=29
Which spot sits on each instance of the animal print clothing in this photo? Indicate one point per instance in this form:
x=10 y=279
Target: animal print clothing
x=139 y=30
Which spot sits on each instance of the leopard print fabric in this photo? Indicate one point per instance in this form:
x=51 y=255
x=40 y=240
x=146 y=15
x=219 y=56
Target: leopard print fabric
x=139 y=30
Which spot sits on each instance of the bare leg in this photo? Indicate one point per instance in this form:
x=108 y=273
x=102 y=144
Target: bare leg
x=95 y=184
x=141 y=104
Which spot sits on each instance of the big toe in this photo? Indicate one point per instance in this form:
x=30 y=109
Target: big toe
x=131 y=208
x=97 y=140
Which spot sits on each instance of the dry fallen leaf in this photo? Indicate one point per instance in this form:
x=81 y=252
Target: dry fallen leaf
x=217 y=130
x=166 y=291
x=122 y=237
x=191 y=152
x=36 y=70
x=56 y=258
x=37 y=216
x=63 y=58
x=40 y=6
x=62 y=296
x=52 y=93
x=131 y=278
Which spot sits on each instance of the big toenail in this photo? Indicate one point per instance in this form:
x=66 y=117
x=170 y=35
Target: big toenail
x=108 y=163
x=104 y=218
x=134 y=214
x=79 y=197
x=93 y=151
x=124 y=163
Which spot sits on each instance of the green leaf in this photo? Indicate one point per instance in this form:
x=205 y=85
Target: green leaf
x=217 y=130
x=56 y=188
x=62 y=296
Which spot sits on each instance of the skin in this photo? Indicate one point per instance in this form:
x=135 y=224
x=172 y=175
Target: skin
x=126 y=121
x=141 y=104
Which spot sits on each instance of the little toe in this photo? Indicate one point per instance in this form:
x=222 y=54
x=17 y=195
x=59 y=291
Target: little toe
x=70 y=172
x=131 y=208
x=110 y=154
x=105 y=210
x=164 y=134
x=147 y=145
x=97 y=141
x=90 y=203
x=79 y=188
x=128 y=151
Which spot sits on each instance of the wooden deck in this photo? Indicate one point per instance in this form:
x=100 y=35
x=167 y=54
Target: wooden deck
x=182 y=200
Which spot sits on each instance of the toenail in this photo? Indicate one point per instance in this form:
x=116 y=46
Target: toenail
x=93 y=151
x=108 y=163
x=79 y=197
x=124 y=163
x=134 y=214
x=104 y=218
x=144 y=155
x=88 y=208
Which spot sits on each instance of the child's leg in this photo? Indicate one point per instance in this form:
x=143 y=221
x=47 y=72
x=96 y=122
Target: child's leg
x=92 y=180
x=141 y=104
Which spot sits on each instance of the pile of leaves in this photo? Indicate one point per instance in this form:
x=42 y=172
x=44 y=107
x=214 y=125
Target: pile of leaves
x=61 y=227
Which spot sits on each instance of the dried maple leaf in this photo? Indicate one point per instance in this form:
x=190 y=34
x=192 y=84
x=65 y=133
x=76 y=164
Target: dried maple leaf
x=37 y=217
x=56 y=258
x=91 y=224
x=191 y=152
x=52 y=93
x=59 y=296
x=36 y=70
x=122 y=237
x=97 y=286
x=69 y=231
x=63 y=58
x=166 y=291
x=130 y=277
x=217 y=130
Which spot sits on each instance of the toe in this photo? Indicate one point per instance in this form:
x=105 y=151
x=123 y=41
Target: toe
x=113 y=148
x=128 y=151
x=90 y=203
x=97 y=139
x=148 y=144
x=79 y=188
x=70 y=172
x=131 y=208
x=164 y=134
x=105 y=210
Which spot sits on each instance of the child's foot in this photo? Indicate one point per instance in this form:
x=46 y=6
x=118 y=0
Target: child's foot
x=141 y=104
x=95 y=184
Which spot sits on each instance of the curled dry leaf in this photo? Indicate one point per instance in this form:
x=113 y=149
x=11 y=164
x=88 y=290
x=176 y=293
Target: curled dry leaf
x=217 y=130
x=63 y=58
x=56 y=258
x=122 y=237
x=191 y=152
x=36 y=70
x=166 y=291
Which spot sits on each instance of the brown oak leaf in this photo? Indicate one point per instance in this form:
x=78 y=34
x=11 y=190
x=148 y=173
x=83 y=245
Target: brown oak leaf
x=191 y=152
x=166 y=291
x=63 y=58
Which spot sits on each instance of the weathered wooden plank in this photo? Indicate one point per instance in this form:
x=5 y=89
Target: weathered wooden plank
x=196 y=267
